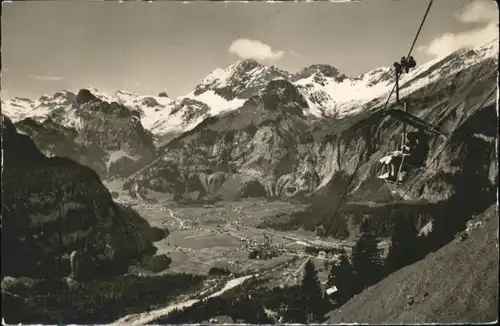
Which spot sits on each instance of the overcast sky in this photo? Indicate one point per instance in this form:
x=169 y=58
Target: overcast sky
x=171 y=46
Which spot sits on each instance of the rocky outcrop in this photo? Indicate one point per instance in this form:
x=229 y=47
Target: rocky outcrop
x=302 y=181
x=281 y=95
x=191 y=109
x=54 y=206
x=252 y=189
x=85 y=96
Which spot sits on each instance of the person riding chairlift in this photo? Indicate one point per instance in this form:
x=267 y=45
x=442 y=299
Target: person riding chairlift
x=417 y=148
x=413 y=155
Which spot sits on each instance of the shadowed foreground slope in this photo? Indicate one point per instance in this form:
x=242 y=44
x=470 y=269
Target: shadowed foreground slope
x=457 y=283
x=53 y=206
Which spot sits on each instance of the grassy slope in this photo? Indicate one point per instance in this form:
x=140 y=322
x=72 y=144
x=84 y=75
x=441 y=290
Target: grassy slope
x=457 y=283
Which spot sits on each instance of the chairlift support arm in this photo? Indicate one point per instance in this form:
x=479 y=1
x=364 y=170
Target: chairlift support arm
x=412 y=120
x=401 y=67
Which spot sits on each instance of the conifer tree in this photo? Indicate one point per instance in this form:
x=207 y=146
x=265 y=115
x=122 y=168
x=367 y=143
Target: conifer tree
x=364 y=227
x=339 y=228
x=313 y=302
x=343 y=278
x=320 y=231
x=404 y=244
x=366 y=260
x=291 y=310
x=441 y=233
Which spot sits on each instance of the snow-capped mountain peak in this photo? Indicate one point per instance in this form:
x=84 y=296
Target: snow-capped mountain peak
x=239 y=80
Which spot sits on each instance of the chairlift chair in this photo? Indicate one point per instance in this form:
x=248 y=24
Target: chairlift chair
x=398 y=159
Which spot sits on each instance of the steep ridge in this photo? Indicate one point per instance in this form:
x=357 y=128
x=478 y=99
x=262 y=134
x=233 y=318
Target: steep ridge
x=53 y=206
x=271 y=145
x=458 y=283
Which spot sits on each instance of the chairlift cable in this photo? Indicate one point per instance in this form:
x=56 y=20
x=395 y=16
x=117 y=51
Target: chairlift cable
x=364 y=150
x=411 y=49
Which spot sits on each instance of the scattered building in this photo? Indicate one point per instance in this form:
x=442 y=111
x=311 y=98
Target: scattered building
x=331 y=290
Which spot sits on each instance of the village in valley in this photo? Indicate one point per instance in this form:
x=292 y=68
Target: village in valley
x=225 y=239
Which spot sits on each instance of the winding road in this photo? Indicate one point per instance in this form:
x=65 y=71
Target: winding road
x=150 y=316
x=296 y=272
x=181 y=223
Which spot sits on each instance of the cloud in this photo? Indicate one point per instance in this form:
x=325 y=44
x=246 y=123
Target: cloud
x=253 y=49
x=47 y=78
x=480 y=12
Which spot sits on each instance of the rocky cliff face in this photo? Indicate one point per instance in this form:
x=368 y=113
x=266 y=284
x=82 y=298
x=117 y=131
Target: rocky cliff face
x=52 y=206
x=269 y=146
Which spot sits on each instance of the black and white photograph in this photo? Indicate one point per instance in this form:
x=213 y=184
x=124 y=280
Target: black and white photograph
x=249 y=162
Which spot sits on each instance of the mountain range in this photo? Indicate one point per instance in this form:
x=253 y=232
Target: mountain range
x=328 y=92
x=257 y=130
